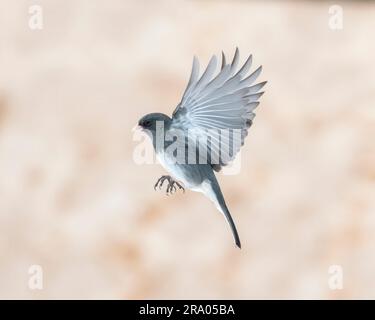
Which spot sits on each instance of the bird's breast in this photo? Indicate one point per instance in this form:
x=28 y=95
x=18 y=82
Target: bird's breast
x=184 y=173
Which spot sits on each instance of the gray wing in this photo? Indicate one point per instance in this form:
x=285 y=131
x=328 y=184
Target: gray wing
x=218 y=107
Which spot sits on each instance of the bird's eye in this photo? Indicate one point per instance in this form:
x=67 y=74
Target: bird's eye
x=147 y=123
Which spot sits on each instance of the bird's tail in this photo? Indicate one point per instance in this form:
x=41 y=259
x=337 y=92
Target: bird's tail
x=217 y=197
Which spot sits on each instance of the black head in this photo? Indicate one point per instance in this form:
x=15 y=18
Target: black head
x=148 y=122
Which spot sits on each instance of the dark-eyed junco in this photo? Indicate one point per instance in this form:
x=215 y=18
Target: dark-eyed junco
x=214 y=115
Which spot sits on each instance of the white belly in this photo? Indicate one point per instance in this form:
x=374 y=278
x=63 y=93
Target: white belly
x=174 y=170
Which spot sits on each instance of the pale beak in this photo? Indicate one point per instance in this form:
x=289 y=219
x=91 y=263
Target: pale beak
x=136 y=128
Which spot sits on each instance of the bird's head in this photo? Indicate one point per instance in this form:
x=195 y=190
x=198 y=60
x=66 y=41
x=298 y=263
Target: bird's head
x=150 y=121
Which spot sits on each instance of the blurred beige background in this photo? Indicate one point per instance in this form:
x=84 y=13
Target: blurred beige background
x=73 y=201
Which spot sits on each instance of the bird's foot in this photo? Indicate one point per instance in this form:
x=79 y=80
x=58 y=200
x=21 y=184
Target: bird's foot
x=171 y=188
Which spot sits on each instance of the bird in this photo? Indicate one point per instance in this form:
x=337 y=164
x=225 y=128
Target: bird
x=221 y=100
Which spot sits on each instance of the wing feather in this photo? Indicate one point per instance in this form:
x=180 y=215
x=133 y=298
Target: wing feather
x=193 y=77
x=217 y=103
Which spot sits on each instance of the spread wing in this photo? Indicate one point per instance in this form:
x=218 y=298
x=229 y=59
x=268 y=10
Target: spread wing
x=217 y=108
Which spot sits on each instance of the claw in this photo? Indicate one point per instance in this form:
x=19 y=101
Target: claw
x=171 y=188
x=180 y=187
x=156 y=184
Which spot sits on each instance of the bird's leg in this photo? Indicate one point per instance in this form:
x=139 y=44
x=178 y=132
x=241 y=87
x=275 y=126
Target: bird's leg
x=171 y=188
x=160 y=181
x=174 y=183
